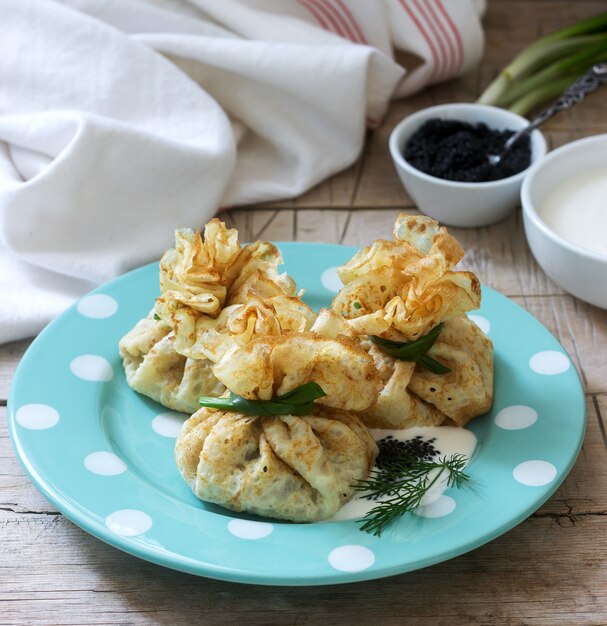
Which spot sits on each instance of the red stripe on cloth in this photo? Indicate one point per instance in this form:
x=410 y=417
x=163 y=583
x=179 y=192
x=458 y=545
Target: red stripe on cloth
x=337 y=19
x=355 y=25
x=452 y=53
x=373 y=123
x=424 y=34
x=444 y=57
x=315 y=13
x=334 y=24
x=456 y=33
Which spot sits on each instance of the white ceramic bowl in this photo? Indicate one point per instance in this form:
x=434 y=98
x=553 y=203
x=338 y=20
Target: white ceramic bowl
x=577 y=270
x=454 y=203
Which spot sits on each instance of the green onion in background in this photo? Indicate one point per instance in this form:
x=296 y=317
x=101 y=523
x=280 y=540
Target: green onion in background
x=543 y=70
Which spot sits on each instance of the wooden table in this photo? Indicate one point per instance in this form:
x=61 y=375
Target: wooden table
x=551 y=569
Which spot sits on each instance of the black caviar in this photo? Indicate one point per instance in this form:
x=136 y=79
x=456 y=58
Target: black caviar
x=459 y=151
x=391 y=449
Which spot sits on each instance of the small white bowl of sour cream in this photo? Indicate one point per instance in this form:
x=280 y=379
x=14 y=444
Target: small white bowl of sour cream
x=564 y=199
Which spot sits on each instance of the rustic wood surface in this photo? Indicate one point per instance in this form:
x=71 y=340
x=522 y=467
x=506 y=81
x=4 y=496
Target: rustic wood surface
x=551 y=569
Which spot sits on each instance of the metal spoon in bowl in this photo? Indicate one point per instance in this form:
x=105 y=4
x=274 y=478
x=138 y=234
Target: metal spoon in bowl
x=576 y=92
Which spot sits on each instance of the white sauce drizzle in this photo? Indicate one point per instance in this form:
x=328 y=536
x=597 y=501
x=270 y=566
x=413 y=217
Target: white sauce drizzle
x=576 y=209
x=450 y=440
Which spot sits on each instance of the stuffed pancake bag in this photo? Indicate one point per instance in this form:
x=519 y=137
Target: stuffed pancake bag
x=200 y=277
x=208 y=287
x=154 y=369
x=299 y=464
x=404 y=299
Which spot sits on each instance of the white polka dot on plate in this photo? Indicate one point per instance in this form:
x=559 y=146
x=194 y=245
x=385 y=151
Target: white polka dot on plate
x=549 y=362
x=330 y=280
x=516 y=417
x=92 y=368
x=439 y=508
x=128 y=522
x=97 y=306
x=246 y=529
x=351 y=558
x=104 y=463
x=36 y=416
x=534 y=473
x=168 y=424
x=482 y=322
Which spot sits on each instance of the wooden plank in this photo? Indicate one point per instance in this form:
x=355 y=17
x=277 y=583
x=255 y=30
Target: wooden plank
x=54 y=573
x=10 y=355
x=266 y=224
x=328 y=226
x=581 y=328
x=584 y=490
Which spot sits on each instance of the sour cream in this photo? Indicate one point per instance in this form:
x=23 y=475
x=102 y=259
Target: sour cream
x=576 y=209
x=449 y=440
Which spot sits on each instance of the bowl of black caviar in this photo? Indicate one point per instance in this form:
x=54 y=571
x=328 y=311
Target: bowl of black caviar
x=442 y=157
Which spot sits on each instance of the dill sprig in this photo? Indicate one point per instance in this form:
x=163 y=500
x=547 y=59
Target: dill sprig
x=402 y=484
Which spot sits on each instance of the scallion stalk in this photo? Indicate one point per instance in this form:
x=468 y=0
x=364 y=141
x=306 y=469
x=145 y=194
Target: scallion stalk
x=298 y=401
x=568 y=51
x=577 y=64
x=536 y=97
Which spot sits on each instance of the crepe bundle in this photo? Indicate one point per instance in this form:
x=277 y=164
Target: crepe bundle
x=294 y=467
x=399 y=291
x=238 y=324
x=153 y=368
x=214 y=294
x=199 y=277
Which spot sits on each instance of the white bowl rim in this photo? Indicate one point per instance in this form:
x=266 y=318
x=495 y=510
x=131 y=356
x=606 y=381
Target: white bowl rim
x=454 y=106
x=530 y=210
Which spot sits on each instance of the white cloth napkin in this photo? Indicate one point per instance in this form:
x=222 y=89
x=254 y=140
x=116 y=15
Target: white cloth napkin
x=123 y=120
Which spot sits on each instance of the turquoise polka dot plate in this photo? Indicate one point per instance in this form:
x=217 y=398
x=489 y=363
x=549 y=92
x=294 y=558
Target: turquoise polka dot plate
x=103 y=454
